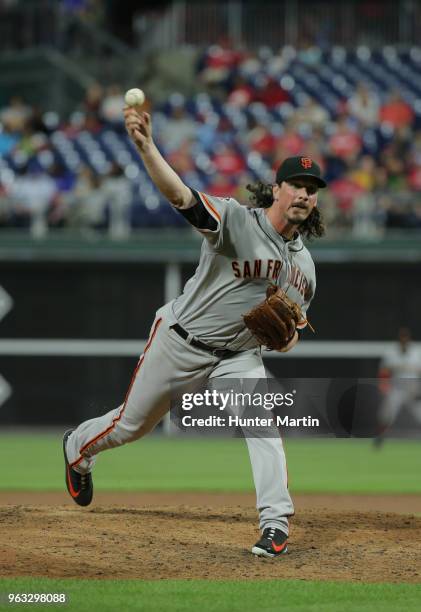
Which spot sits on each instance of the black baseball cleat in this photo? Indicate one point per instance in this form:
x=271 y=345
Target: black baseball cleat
x=80 y=486
x=273 y=543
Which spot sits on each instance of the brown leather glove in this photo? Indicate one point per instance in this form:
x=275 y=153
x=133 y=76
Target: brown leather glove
x=273 y=322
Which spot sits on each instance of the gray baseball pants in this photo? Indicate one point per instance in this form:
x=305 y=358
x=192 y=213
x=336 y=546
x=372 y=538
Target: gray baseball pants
x=168 y=360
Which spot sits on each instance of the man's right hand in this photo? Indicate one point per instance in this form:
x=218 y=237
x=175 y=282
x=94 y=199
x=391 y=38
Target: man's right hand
x=139 y=127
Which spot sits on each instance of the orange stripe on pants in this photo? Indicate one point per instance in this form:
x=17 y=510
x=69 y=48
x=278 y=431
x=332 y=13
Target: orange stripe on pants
x=120 y=414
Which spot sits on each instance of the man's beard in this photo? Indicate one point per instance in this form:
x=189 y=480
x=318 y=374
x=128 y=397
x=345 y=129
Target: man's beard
x=298 y=222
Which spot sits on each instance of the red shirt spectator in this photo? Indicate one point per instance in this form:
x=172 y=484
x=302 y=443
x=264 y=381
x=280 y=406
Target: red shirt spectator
x=272 y=94
x=222 y=186
x=228 y=161
x=222 y=56
x=345 y=143
x=345 y=190
x=181 y=159
x=219 y=61
x=289 y=144
x=261 y=140
x=396 y=112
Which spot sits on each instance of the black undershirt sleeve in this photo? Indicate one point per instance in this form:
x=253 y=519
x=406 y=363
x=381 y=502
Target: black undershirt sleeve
x=198 y=216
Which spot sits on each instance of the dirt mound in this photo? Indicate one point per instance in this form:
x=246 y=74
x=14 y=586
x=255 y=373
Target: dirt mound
x=404 y=503
x=183 y=541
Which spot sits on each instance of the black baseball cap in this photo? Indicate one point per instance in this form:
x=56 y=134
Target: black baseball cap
x=293 y=167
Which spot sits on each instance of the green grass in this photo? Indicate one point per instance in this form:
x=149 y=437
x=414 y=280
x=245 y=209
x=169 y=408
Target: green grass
x=34 y=462
x=219 y=596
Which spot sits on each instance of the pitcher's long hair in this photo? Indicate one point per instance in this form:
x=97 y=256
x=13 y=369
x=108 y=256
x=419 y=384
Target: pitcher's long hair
x=262 y=197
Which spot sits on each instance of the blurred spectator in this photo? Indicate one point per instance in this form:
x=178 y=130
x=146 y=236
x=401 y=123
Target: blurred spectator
x=269 y=92
x=308 y=53
x=111 y=109
x=32 y=194
x=259 y=138
x=222 y=185
x=317 y=148
x=117 y=195
x=181 y=159
x=368 y=217
x=396 y=171
x=382 y=194
x=345 y=143
x=8 y=139
x=93 y=99
x=366 y=223
x=16 y=114
x=401 y=143
x=84 y=204
x=250 y=65
x=311 y=113
x=178 y=128
x=289 y=144
x=396 y=111
x=206 y=130
x=364 y=105
x=364 y=173
x=217 y=63
x=277 y=65
x=241 y=93
x=30 y=142
x=94 y=198
x=227 y=160
x=329 y=209
x=345 y=189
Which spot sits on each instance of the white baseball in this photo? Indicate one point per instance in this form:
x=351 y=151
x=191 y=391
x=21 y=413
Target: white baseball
x=134 y=97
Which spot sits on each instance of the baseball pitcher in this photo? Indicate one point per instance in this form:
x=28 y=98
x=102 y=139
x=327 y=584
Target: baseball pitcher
x=252 y=288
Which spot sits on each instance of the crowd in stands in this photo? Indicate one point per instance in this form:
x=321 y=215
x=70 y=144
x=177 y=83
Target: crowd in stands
x=254 y=109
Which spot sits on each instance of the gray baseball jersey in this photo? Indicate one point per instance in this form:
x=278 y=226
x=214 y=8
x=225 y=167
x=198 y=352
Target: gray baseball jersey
x=237 y=262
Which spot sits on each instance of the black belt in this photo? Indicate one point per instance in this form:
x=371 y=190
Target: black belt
x=216 y=352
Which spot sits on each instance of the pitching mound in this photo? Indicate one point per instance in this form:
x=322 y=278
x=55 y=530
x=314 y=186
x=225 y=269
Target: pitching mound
x=183 y=541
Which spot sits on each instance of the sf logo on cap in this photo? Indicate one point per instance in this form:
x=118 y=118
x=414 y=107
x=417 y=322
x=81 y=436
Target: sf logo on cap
x=306 y=162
